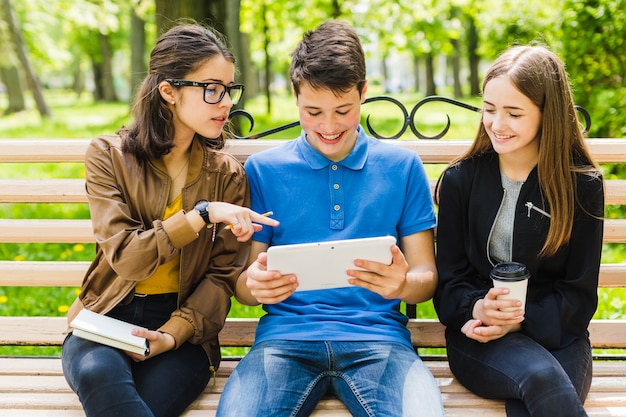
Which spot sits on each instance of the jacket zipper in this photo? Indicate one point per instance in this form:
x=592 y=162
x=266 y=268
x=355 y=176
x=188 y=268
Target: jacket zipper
x=531 y=206
x=213 y=374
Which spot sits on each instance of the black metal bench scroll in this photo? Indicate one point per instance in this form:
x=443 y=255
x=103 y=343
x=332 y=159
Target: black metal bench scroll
x=408 y=119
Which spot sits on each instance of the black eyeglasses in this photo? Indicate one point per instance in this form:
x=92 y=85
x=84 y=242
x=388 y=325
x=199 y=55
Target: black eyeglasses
x=213 y=92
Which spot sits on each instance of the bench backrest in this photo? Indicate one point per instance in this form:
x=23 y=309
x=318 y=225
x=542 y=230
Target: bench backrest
x=426 y=333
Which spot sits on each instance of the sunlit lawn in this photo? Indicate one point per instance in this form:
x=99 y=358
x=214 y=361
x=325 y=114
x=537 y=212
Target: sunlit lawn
x=81 y=118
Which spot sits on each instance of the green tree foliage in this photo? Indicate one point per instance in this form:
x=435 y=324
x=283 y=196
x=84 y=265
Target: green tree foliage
x=594 y=40
x=505 y=23
x=63 y=40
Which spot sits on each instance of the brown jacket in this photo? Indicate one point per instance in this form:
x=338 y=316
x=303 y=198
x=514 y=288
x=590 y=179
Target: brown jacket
x=127 y=201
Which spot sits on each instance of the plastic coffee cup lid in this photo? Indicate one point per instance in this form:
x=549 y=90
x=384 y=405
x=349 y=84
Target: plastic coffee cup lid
x=509 y=271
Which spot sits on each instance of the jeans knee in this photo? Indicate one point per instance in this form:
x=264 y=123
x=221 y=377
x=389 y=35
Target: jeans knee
x=546 y=379
x=92 y=374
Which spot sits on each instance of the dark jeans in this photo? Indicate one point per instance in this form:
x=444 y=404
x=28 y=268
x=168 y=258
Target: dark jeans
x=109 y=383
x=533 y=381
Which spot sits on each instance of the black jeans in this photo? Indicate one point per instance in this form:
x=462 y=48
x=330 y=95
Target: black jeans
x=534 y=381
x=109 y=383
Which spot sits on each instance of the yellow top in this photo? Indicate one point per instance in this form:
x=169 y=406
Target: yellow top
x=165 y=279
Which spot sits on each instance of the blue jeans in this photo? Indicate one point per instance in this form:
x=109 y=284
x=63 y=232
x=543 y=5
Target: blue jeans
x=288 y=378
x=534 y=381
x=109 y=383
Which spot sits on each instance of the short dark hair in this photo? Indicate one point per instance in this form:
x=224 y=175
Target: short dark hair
x=331 y=57
x=179 y=51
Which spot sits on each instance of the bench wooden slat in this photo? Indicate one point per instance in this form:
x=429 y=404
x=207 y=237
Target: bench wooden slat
x=614 y=191
x=49 y=190
x=188 y=413
x=43 y=150
x=46 y=231
x=34 y=384
x=240 y=332
x=80 y=231
x=614 y=231
x=612 y=276
x=48 y=331
x=42 y=273
x=70 y=274
x=45 y=366
x=608 y=412
x=32 y=331
x=608 y=333
x=72 y=190
x=432 y=151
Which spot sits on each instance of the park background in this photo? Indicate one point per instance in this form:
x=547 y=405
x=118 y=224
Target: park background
x=68 y=69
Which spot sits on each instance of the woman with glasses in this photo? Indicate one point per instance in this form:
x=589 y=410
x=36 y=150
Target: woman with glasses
x=171 y=223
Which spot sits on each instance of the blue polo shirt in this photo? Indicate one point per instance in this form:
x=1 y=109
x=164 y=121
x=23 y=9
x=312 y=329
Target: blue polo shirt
x=378 y=189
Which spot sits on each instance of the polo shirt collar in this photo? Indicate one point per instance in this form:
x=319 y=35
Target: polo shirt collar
x=354 y=161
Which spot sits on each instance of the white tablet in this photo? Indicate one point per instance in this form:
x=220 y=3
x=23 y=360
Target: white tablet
x=323 y=265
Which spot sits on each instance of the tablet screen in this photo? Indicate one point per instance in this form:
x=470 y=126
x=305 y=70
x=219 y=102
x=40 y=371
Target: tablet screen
x=323 y=265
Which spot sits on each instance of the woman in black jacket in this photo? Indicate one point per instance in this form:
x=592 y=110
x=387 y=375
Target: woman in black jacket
x=527 y=191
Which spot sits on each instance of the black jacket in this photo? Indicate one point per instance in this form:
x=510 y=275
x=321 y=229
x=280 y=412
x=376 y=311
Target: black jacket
x=562 y=291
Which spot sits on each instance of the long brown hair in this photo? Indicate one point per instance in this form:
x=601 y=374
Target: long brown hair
x=540 y=75
x=181 y=50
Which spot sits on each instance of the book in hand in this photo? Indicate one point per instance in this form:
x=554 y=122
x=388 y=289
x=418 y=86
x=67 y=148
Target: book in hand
x=109 y=331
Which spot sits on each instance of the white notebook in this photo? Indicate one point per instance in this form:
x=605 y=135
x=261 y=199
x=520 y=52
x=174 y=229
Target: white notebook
x=323 y=265
x=109 y=331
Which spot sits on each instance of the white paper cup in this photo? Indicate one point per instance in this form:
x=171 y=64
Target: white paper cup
x=514 y=276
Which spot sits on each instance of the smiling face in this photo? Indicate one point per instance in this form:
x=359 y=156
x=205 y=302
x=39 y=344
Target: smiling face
x=191 y=113
x=330 y=120
x=511 y=120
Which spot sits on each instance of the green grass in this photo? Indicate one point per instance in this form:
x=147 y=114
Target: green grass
x=80 y=118
x=72 y=117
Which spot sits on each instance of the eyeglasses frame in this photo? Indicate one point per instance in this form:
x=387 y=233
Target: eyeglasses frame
x=227 y=88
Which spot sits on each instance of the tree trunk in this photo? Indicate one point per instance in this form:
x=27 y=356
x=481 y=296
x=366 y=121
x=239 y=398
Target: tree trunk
x=10 y=77
x=387 y=87
x=138 y=68
x=268 y=62
x=474 y=59
x=233 y=37
x=456 y=68
x=336 y=9
x=98 y=89
x=206 y=12
x=108 y=87
x=249 y=74
x=416 y=73
x=431 y=87
x=78 y=78
x=20 y=49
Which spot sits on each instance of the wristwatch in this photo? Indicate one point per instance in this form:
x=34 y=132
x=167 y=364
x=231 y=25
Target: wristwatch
x=203 y=209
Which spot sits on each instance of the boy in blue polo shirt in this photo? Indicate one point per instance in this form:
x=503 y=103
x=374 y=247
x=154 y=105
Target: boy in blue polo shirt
x=335 y=182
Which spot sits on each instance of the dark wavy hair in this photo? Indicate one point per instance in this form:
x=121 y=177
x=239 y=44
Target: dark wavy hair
x=330 y=57
x=179 y=51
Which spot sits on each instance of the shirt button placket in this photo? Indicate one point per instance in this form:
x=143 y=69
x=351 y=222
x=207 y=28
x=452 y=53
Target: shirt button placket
x=336 y=197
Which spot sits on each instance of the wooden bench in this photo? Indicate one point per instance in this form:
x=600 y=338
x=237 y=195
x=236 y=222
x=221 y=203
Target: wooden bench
x=35 y=386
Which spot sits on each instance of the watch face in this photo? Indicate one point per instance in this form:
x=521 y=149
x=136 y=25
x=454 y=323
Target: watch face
x=202 y=206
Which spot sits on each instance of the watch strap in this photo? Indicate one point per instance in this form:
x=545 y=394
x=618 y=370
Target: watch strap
x=203 y=209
